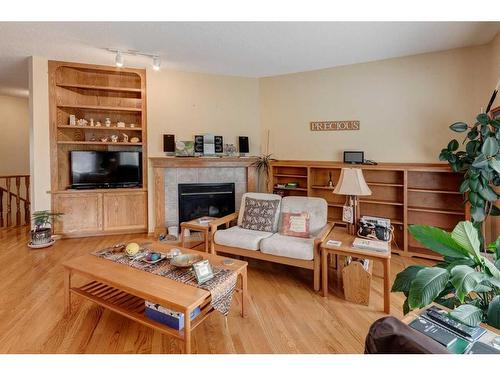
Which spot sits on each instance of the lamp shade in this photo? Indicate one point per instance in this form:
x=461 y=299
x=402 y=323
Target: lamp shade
x=352 y=182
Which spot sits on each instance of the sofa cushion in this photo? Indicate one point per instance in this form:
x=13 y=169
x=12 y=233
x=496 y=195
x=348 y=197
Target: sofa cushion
x=260 y=196
x=286 y=246
x=295 y=224
x=240 y=237
x=259 y=214
x=317 y=208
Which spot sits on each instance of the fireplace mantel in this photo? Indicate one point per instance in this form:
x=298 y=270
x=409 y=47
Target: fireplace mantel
x=160 y=164
x=200 y=162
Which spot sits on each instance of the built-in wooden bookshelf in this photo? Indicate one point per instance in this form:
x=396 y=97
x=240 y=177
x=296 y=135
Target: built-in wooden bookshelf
x=96 y=92
x=405 y=193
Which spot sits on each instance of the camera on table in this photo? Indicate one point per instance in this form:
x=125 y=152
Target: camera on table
x=375 y=228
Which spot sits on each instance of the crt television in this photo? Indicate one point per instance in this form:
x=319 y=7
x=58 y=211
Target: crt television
x=105 y=169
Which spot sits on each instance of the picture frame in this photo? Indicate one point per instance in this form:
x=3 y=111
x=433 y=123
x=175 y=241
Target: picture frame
x=203 y=271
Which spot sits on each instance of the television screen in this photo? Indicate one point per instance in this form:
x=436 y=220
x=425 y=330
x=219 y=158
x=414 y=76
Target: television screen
x=94 y=169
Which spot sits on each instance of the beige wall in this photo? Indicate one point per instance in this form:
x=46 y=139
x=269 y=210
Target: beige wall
x=405 y=106
x=186 y=104
x=14 y=139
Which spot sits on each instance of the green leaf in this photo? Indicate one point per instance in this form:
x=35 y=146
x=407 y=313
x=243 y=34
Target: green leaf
x=404 y=279
x=453 y=145
x=465 y=279
x=473 y=134
x=478 y=214
x=475 y=184
x=490 y=147
x=475 y=199
x=480 y=161
x=406 y=307
x=438 y=240
x=466 y=236
x=427 y=285
x=488 y=194
x=494 y=312
x=472 y=147
x=467 y=314
x=495 y=123
x=495 y=211
x=459 y=127
x=464 y=186
x=493 y=270
x=495 y=164
x=491 y=281
x=483 y=119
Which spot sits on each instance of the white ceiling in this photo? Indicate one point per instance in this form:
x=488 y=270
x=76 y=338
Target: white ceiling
x=251 y=49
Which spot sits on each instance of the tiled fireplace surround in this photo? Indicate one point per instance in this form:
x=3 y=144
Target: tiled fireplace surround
x=175 y=176
x=168 y=172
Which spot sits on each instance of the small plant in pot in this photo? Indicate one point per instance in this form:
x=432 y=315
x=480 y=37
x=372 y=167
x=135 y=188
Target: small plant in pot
x=42 y=231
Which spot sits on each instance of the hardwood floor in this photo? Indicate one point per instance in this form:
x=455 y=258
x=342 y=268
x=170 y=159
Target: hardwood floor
x=285 y=315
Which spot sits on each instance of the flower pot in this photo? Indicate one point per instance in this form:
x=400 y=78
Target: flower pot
x=41 y=236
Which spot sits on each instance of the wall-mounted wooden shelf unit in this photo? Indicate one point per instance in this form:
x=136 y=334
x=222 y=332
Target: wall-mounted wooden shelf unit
x=96 y=92
x=405 y=193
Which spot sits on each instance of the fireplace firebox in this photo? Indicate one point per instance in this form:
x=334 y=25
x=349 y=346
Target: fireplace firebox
x=197 y=200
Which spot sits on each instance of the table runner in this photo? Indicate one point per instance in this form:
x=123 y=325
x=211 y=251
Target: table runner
x=221 y=286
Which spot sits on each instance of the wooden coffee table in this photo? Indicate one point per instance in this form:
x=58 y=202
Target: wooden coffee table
x=123 y=289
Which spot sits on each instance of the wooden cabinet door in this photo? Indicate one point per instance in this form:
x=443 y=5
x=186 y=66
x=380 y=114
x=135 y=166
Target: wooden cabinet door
x=82 y=213
x=125 y=211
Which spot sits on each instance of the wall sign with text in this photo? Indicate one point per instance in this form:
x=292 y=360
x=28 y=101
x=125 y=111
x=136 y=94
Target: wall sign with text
x=334 y=125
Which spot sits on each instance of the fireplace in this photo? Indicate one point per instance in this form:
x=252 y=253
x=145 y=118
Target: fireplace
x=207 y=199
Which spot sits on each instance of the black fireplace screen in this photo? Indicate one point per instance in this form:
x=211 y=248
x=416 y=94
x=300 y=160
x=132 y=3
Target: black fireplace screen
x=197 y=200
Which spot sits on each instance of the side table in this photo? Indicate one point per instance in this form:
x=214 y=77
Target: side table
x=196 y=226
x=346 y=249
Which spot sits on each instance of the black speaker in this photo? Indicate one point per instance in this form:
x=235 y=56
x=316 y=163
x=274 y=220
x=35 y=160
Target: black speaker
x=168 y=143
x=243 y=146
x=198 y=144
x=219 y=144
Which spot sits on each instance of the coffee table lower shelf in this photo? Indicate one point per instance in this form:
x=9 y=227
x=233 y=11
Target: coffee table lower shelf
x=133 y=307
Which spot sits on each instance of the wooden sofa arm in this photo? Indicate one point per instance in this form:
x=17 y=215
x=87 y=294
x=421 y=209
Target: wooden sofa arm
x=323 y=234
x=222 y=220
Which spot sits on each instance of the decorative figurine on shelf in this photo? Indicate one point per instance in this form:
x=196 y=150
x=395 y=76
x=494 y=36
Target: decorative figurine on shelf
x=104 y=139
x=120 y=124
x=330 y=182
x=91 y=122
x=107 y=122
x=230 y=149
x=125 y=138
x=72 y=120
x=134 y=140
x=98 y=124
x=132 y=125
x=114 y=138
x=81 y=122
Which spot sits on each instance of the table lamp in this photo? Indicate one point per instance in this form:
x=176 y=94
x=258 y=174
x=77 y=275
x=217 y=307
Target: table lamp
x=353 y=184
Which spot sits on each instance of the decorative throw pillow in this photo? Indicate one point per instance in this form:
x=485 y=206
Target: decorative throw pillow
x=295 y=224
x=259 y=214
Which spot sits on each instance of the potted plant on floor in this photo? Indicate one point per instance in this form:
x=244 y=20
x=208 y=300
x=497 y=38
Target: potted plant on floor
x=41 y=234
x=467 y=281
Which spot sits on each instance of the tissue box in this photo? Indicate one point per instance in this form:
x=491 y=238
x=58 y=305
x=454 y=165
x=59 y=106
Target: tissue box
x=171 y=318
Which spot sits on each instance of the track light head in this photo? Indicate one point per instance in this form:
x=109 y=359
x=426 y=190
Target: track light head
x=156 y=63
x=119 y=59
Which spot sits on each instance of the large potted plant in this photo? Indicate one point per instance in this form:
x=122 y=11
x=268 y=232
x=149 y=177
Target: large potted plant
x=41 y=234
x=467 y=281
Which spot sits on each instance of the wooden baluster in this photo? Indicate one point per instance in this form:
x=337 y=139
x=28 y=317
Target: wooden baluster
x=1 y=208
x=18 y=201
x=27 y=201
x=9 y=203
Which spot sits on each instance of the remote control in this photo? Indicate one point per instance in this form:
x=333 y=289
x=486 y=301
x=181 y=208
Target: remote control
x=467 y=332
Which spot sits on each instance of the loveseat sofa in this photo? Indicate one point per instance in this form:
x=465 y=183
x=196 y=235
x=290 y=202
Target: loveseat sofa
x=272 y=245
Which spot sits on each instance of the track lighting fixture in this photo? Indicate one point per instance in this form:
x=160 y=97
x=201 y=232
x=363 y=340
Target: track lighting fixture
x=119 y=59
x=156 y=63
